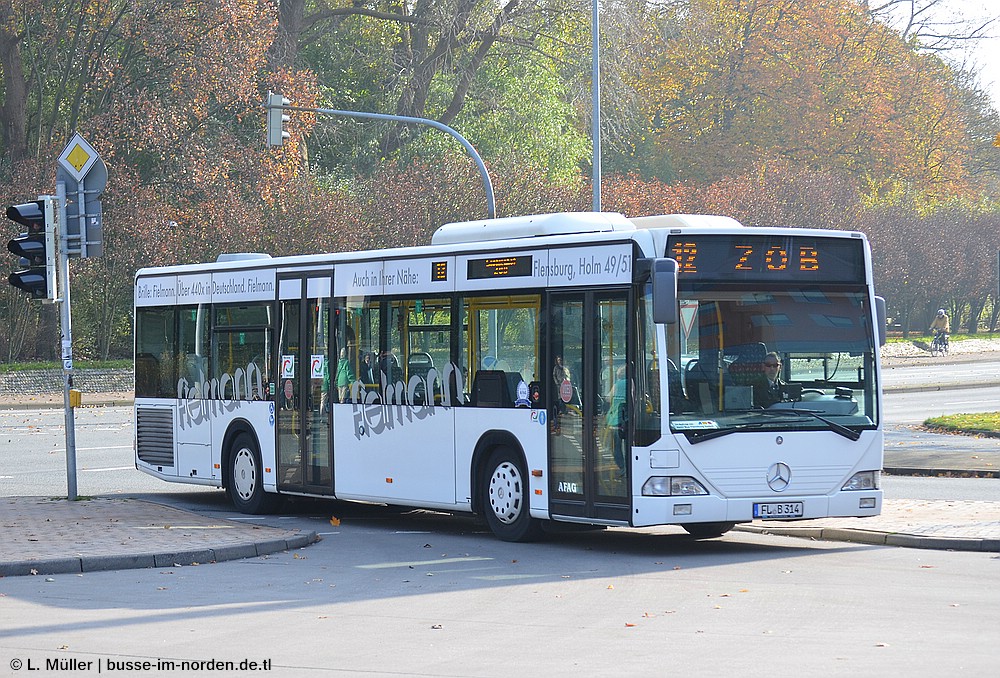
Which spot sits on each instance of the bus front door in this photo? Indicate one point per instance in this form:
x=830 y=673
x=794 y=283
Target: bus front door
x=303 y=393
x=588 y=450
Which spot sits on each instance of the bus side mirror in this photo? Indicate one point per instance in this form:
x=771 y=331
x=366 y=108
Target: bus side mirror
x=880 y=320
x=665 y=291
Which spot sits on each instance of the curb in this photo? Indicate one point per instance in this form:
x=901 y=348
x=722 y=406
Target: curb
x=163 y=559
x=60 y=405
x=940 y=472
x=874 y=538
x=951 y=386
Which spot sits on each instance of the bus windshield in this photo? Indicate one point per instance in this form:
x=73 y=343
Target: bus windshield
x=751 y=358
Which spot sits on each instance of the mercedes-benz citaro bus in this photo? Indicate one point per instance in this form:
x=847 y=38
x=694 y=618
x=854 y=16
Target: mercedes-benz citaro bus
x=577 y=367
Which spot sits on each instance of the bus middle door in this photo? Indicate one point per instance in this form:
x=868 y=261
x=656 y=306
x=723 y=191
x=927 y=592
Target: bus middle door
x=303 y=394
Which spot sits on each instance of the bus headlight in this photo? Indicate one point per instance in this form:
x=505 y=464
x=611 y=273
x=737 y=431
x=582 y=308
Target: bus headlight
x=863 y=480
x=672 y=486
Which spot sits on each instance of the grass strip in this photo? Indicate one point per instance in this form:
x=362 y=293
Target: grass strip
x=975 y=423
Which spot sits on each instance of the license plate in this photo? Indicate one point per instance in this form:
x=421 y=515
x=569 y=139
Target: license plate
x=778 y=510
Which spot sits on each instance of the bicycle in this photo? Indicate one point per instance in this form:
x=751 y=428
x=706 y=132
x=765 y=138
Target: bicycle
x=939 y=345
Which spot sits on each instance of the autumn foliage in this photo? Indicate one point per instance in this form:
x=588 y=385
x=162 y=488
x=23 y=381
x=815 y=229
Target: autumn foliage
x=776 y=112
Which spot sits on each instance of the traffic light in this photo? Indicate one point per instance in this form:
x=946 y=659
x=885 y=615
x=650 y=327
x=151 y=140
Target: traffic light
x=276 y=119
x=36 y=247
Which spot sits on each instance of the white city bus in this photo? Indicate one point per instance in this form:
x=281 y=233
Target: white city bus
x=580 y=367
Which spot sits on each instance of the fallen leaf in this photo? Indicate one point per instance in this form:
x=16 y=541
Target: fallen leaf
x=610 y=586
x=629 y=624
x=335 y=521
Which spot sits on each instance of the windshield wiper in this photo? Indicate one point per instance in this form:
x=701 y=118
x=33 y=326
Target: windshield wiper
x=695 y=438
x=848 y=433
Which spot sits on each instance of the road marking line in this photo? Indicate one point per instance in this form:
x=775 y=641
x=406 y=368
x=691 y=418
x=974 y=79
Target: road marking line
x=418 y=563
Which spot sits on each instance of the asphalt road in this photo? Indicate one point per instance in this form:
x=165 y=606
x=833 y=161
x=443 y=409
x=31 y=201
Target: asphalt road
x=429 y=595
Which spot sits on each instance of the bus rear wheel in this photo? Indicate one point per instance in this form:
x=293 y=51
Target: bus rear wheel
x=504 y=498
x=245 y=485
x=708 y=530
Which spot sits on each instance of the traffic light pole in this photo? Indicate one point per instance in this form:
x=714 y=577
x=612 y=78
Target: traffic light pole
x=66 y=331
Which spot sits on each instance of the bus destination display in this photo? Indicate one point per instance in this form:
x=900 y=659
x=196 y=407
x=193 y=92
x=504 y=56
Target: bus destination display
x=499 y=267
x=734 y=258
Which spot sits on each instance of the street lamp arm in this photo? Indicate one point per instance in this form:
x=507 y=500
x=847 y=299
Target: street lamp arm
x=491 y=209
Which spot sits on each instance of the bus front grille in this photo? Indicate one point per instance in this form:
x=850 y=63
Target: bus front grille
x=154 y=436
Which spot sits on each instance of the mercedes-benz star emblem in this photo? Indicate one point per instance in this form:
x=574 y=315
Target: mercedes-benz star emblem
x=778 y=476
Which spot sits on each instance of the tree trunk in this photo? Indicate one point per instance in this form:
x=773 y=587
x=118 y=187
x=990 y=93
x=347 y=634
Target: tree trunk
x=285 y=48
x=13 y=112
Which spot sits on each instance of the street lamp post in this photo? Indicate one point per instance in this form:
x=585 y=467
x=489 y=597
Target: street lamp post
x=595 y=84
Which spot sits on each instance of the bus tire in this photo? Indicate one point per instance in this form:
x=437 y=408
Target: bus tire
x=504 y=498
x=245 y=485
x=708 y=530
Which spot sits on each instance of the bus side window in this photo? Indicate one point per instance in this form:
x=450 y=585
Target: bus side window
x=147 y=375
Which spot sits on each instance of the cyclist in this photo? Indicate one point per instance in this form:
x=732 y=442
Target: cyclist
x=941 y=328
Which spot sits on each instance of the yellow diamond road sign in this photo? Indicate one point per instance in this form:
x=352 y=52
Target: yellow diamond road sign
x=78 y=157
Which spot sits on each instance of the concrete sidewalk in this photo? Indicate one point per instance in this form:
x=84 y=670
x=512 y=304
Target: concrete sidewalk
x=57 y=536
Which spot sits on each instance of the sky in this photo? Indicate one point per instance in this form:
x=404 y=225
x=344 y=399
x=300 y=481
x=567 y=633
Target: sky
x=986 y=52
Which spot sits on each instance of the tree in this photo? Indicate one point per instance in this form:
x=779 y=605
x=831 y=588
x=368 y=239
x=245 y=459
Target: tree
x=819 y=83
x=489 y=69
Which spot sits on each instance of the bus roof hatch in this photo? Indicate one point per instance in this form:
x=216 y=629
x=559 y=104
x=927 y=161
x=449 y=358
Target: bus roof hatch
x=559 y=223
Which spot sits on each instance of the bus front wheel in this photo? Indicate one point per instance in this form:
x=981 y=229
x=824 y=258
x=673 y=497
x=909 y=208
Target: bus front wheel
x=246 y=478
x=708 y=530
x=504 y=498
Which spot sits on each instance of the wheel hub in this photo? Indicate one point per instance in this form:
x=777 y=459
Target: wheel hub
x=244 y=474
x=506 y=493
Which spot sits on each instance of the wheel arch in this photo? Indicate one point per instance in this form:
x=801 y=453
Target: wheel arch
x=489 y=441
x=236 y=427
